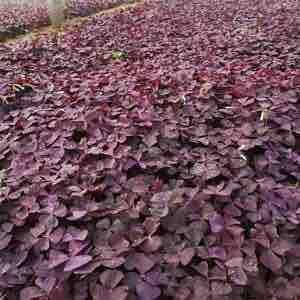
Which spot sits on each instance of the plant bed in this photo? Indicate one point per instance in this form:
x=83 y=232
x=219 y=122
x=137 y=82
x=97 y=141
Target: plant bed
x=153 y=153
x=21 y=18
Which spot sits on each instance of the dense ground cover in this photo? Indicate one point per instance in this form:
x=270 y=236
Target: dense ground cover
x=154 y=154
x=18 y=19
x=24 y=16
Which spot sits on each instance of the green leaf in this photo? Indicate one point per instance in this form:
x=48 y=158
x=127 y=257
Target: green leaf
x=116 y=55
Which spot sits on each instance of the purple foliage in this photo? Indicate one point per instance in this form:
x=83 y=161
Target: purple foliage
x=154 y=153
x=19 y=17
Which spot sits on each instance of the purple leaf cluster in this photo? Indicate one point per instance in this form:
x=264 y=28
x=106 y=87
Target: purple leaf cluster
x=154 y=153
x=21 y=17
